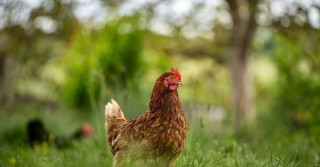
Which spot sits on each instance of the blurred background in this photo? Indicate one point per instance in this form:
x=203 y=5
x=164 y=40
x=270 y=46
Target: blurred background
x=250 y=68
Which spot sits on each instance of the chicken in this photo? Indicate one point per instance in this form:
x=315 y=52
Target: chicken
x=37 y=134
x=157 y=137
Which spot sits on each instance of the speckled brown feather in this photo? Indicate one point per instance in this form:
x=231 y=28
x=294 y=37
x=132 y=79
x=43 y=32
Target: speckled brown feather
x=155 y=138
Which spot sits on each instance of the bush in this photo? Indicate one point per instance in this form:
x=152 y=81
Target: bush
x=107 y=58
x=298 y=86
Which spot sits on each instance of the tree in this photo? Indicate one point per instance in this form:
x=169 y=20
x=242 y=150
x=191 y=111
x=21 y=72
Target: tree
x=241 y=35
x=31 y=38
x=295 y=54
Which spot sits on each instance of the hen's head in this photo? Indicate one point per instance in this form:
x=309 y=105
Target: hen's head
x=166 y=84
x=170 y=80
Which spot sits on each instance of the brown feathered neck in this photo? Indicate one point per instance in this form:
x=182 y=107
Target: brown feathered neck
x=162 y=98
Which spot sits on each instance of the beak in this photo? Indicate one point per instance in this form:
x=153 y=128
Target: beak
x=180 y=83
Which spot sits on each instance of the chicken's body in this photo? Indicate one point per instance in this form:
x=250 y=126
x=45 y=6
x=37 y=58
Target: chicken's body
x=155 y=138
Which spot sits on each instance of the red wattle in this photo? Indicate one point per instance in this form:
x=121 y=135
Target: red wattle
x=173 y=87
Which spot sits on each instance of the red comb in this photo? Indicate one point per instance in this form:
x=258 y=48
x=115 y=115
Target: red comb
x=176 y=73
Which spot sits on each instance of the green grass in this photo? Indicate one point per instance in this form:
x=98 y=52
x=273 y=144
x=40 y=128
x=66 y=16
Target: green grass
x=204 y=147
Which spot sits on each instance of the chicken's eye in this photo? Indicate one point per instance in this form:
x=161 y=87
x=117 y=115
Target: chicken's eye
x=165 y=82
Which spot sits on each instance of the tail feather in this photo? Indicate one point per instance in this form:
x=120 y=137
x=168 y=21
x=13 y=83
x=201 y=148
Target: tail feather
x=114 y=118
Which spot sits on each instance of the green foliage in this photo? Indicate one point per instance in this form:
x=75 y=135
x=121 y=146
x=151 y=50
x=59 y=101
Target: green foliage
x=298 y=85
x=108 y=58
x=122 y=60
x=26 y=40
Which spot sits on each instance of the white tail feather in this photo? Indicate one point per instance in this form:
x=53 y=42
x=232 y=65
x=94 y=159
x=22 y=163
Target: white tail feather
x=113 y=110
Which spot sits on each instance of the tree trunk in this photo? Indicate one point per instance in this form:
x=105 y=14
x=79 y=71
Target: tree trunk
x=240 y=43
x=242 y=88
x=8 y=71
x=2 y=77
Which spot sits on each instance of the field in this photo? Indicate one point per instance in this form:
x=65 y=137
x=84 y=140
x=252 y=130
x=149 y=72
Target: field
x=250 y=71
x=205 y=147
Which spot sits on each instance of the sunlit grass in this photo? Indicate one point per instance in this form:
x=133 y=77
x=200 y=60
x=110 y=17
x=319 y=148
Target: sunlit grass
x=204 y=147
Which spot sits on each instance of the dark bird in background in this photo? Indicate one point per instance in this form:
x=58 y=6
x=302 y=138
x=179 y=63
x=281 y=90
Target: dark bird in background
x=37 y=134
x=155 y=138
